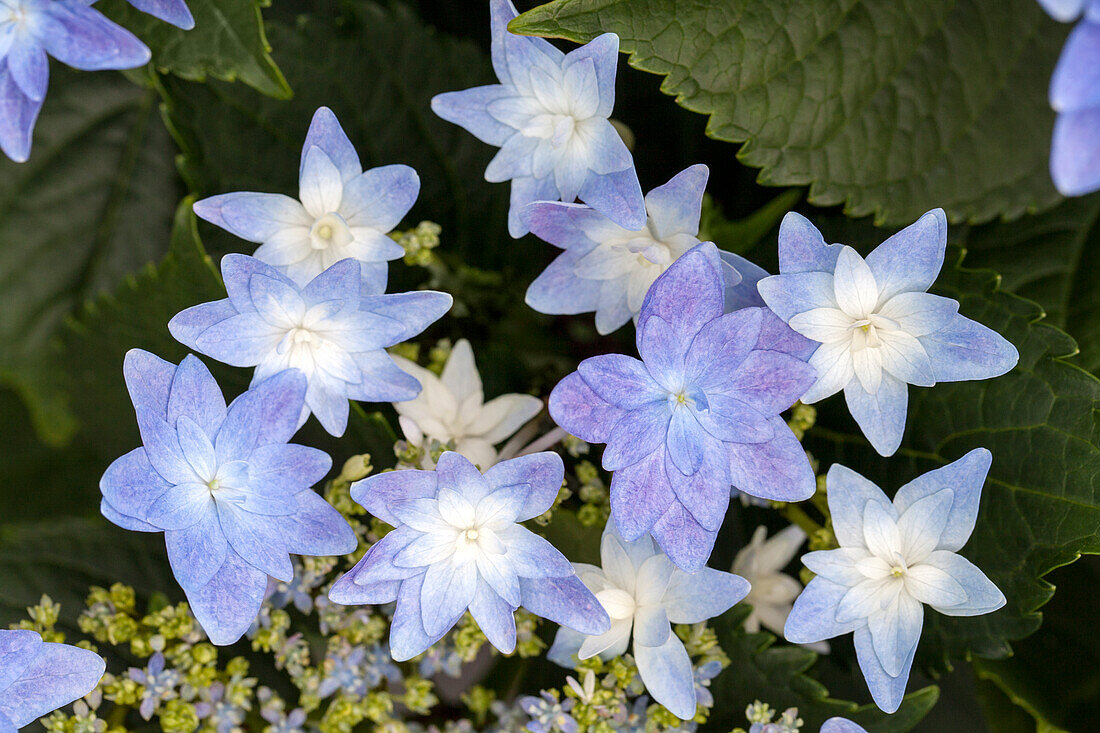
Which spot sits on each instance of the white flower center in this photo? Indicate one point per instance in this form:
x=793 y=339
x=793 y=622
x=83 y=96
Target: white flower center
x=328 y=231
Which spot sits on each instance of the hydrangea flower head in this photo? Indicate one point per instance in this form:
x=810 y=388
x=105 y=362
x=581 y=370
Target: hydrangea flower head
x=170 y=11
x=38 y=677
x=343 y=212
x=452 y=408
x=607 y=268
x=894 y=557
x=877 y=330
x=645 y=593
x=333 y=330
x=231 y=495
x=458 y=545
x=698 y=412
x=1075 y=96
x=72 y=33
x=549 y=117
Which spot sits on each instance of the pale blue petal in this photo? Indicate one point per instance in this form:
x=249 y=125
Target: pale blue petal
x=792 y=293
x=243 y=340
x=257 y=540
x=539 y=474
x=513 y=162
x=407 y=635
x=316 y=528
x=982 y=595
x=837 y=566
x=379 y=493
x=469 y=109
x=911 y=259
x=802 y=248
x=841 y=725
x=662 y=350
x=56 y=676
x=881 y=416
x=513 y=54
x=776 y=335
x=122 y=520
x=741 y=292
x=667 y=674
x=326 y=133
x=813 y=617
x=130 y=484
x=187 y=325
x=692 y=598
x=255 y=217
x=886 y=691
x=674 y=208
x=170 y=11
x=456 y=472
x=346 y=592
x=1075 y=84
x=29 y=66
x=237 y=273
x=716 y=352
x=18 y=648
x=604 y=52
x=382 y=380
x=617 y=195
x=227 y=605
x=446 y=593
x=494 y=617
x=148 y=380
x=651 y=627
x=162 y=447
x=338 y=284
x=377 y=566
x=565 y=601
x=922 y=313
x=777 y=470
x=848 y=494
x=732 y=420
x=559 y=291
x=18 y=113
x=327 y=399
x=581 y=412
x=563 y=651
x=180 y=507
x=640 y=495
x=966 y=349
x=196 y=395
x=381 y=197
x=1075 y=152
x=637 y=435
x=1064 y=10
x=688 y=294
x=417 y=310
x=771 y=381
x=704 y=493
x=686 y=542
x=532 y=556
x=965 y=478
x=526 y=191
x=287 y=468
x=895 y=632
x=84 y=39
x=266 y=414
x=621 y=380
x=197 y=552
x=685 y=441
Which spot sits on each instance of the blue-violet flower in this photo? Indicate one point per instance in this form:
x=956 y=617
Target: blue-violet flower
x=38 y=677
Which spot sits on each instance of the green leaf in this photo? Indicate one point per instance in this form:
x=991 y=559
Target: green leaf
x=227 y=42
x=1053 y=259
x=777 y=675
x=93 y=203
x=378 y=70
x=891 y=107
x=1040 y=506
x=63 y=558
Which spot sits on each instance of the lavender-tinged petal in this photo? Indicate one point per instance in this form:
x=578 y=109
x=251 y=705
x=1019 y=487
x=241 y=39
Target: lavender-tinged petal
x=227 y=605
x=527 y=190
x=618 y=195
x=380 y=492
x=494 y=617
x=775 y=335
x=841 y=725
x=559 y=291
x=316 y=528
x=84 y=39
x=29 y=67
x=777 y=470
x=162 y=448
x=771 y=381
x=640 y=495
x=688 y=294
x=326 y=133
x=686 y=542
x=287 y=468
x=122 y=520
x=638 y=434
x=717 y=351
x=705 y=493
x=130 y=484
x=512 y=54
x=789 y=294
x=1075 y=152
x=18 y=113
x=266 y=414
x=982 y=596
x=407 y=635
x=532 y=556
x=57 y=675
x=255 y=217
x=741 y=292
x=148 y=380
x=197 y=552
x=170 y=11
x=604 y=52
x=621 y=380
x=966 y=350
x=581 y=412
x=541 y=474
x=255 y=539
x=196 y=395
x=1075 y=84
x=445 y=594
x=468 y=109
x=565 y=601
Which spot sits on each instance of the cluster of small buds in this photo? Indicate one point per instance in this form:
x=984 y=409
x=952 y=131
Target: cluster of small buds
x=593 y=493
x=419 y=242
x=761 y=716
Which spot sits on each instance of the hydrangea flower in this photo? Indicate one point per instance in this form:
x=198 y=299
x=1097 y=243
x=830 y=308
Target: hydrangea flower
x=452 y=408
x=641 y=590
x=1075 y=96
x=170 y=11
x=72 y=33
x=159 y=684
x=343 y=212
x=231 y=495
x=38 y=677
x=331 y=330
x=877 y=330
x=772 y=592
x=608 y=269
x=894 y=557
x=458 y=545
x=548 y=713
x=699 y=411
x=549 y=117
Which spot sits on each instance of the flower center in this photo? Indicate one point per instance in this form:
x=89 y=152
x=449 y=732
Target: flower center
x=214 y=484
x=329 y=230
x=471 y=534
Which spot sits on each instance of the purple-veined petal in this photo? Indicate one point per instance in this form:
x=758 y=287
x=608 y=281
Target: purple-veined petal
x=566 y=601
x=379 y=493
x=603 y=50
x=636 y=435
x=540 y=473
x=581 y=412
x=494 y=617
x=686 y=542
x=57 y=675
x=227 y=605
x=621 y=380
x=197 y=552
x=777 y=469
x=640 y=495
x=688 y=294
x=966 y=349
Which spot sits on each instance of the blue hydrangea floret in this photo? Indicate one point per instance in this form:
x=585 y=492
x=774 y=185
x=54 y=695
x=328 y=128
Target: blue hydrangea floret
x=37 y=677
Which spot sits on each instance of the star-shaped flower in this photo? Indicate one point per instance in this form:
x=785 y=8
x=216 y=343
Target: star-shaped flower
x=894 y=557
x=344 y=212
x=608 y=269
x=458 y=545
x=549 y=117
x=1075 y=96
x=761 y=562
x=876 y=327
x=642 y=590
x=38 y=677
x=72 y=33
x=231 y=495
x=332 y=330
x=452 y=408
x=170 y=11
x=699 y=411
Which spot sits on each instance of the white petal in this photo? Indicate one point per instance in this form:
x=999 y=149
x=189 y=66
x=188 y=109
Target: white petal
x=903 y=356
x=827 y=325
x=854 y=285
x=833 y=363
x=652 y=581
x=455 y=509
x=320 y=185
x=460 y=373
x=616 y=563
x=929 y=584
x=895 y=631
x=616 y=635
x=867 y=365
x=880 y=532
x=921 y=524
